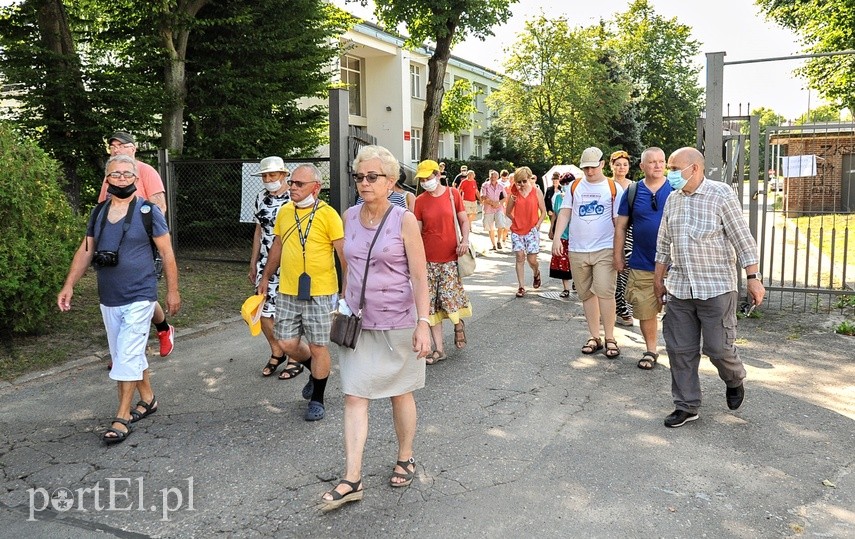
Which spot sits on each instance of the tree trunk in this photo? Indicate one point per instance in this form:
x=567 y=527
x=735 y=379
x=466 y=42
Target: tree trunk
x=64 y=113
x=437 y=65
x=175 y=32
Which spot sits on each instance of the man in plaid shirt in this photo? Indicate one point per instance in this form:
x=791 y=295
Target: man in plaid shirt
x=702 y=235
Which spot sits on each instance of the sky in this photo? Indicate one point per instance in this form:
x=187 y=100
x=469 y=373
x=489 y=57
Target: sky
x=732 y=26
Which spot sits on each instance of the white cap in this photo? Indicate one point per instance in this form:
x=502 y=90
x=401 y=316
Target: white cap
x=271 y=164
x=591 y=157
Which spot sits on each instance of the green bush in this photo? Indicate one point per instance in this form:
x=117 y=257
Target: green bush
x=39 y=234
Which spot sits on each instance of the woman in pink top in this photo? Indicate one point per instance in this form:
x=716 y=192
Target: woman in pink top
x=526 y=210
x=389 y=358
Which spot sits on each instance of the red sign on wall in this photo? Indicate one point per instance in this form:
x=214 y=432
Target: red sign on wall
x=406 y=135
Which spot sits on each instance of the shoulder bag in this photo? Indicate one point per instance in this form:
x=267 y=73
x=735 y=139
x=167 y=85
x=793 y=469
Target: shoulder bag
x=345 y=329
x=466 y=261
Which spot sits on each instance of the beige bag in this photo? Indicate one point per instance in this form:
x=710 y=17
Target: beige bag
x=466 y=261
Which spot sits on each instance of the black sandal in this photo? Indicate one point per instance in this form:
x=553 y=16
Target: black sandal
x=270 y=368
x=590 y=348
x=120 y=435
x=407 y=477
x=564 y=294
x=339 y=499
x=150 y=408
x=292 y=369
x=648 y=361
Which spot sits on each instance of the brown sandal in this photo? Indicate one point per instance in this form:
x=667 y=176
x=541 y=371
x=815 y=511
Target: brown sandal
x=435 y=357
x=536 y=284
x=593 y=344
x=520 y=292
x=460 y=336
x=612 y=351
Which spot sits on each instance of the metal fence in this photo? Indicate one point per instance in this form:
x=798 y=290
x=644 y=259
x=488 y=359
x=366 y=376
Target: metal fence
x=212 y=205
x=807 y=225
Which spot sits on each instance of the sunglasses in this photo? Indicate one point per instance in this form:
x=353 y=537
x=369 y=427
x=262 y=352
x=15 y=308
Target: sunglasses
x=521 y=182
x=618 y=155
x=299 y=185
x=371 y=177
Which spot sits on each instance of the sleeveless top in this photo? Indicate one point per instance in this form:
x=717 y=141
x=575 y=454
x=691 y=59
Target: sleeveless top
x=525 y=212
x=389 y=302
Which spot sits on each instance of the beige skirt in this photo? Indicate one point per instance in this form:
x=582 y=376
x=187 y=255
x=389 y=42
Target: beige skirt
x=382 y=365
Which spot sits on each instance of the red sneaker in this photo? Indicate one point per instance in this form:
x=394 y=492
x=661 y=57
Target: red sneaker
x=167 y=340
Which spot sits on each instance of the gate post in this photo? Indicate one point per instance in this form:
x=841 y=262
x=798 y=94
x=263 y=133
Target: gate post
x=339 y=110
x=714 y=125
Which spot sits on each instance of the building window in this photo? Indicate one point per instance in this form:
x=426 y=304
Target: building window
x=479 y=146
x=441 y=147
x=351 y=77
x=458 y=147
x=415 y=143
x=415 y=81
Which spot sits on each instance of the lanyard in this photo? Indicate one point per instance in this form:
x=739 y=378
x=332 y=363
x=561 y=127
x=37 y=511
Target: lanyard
x=305 y=237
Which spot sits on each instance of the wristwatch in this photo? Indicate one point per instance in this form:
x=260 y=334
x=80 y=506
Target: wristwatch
x=758 y=276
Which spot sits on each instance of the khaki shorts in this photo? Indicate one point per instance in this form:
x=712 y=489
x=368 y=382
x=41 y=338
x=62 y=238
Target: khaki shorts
x=491 y=221
x=594 y=273
x=471 y=208
x=639 y=293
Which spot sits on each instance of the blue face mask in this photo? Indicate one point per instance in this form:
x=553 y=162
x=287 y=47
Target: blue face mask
x=676 y=179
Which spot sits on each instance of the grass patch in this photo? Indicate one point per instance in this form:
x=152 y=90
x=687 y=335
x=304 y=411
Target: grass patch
x=210 y=291
x=828 y=232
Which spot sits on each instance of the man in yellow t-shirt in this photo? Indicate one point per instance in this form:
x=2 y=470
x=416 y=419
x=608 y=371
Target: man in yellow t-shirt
x=306 y=234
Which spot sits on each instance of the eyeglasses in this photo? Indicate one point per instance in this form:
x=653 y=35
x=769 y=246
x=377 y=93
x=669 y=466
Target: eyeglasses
x=117 y=146
x=299 y=185
x=126 y=174
x=521 y=182
x=371 y=177
x=653 y=203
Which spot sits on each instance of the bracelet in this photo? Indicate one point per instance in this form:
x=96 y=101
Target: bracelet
x=423 y=319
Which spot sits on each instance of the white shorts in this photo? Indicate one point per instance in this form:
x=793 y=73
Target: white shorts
x=127 y=334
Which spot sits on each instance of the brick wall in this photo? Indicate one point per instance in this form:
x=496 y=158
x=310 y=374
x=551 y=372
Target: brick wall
x=820 y=193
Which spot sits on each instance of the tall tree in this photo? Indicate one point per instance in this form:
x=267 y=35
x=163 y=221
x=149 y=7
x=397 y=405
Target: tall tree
x=823 y=113
x=444 y=22
x=659 y=55
x=825 y=26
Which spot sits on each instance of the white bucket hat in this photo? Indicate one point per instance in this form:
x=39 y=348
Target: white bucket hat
x=272 y=164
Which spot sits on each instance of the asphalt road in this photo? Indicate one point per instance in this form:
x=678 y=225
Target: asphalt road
x=520 y=435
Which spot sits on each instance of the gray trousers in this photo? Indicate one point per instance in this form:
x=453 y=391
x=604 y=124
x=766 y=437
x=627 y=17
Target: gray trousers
x=685 y=322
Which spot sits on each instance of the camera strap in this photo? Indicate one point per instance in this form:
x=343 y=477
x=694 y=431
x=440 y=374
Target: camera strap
x=125 y=226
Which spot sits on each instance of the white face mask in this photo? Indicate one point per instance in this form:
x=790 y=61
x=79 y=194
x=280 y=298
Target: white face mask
x=430 y=185
x=306 y=202
x=273 y=186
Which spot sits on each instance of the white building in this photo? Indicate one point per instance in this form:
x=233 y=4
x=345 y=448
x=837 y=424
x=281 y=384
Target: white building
x=387 y=87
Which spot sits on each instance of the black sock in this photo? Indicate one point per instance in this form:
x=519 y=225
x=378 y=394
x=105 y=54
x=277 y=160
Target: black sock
x=307 y=363
x=318 y=390
x=163 y=326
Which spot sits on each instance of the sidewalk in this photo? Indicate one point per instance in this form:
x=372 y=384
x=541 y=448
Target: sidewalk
x=520 y=435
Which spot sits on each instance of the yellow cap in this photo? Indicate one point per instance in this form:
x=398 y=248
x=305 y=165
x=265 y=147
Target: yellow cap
x=251 y=312
x=426 y=168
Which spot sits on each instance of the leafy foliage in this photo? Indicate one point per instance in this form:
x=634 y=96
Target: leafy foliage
x=458 y=106
x=825 y=26
x=40 y=235
x=823 y=113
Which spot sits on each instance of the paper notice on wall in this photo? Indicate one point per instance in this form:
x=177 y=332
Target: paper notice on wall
x=797 y=166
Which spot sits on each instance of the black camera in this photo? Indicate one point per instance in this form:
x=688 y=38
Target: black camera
x=105 y=259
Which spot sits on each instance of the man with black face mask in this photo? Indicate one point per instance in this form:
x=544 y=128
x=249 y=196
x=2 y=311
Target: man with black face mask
x=149 y=185
x=118 y=242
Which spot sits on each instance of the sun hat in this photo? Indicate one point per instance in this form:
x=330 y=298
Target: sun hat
x=271 y=164
x=251 y=313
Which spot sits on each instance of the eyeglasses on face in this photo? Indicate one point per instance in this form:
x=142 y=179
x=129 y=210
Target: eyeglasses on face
x=371 y=177
x=521 y=182
x=127 y=174
x=118 y=146
x=299 y=185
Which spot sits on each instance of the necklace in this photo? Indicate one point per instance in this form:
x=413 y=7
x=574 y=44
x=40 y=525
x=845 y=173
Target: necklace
x=371 y=217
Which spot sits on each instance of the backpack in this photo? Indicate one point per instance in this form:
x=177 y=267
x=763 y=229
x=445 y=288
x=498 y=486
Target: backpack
x=612 y=188
x=146 y=219
x=630 y=200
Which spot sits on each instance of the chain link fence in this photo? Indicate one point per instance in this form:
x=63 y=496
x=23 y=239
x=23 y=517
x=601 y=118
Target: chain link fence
x=212 y=205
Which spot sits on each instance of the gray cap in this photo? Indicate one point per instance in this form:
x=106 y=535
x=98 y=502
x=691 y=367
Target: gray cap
x=122 y=136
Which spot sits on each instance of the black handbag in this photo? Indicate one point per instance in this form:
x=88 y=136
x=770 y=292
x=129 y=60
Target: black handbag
x=346 y=328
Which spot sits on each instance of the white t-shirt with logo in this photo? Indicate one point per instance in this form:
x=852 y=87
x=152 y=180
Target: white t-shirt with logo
x=592 y=211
